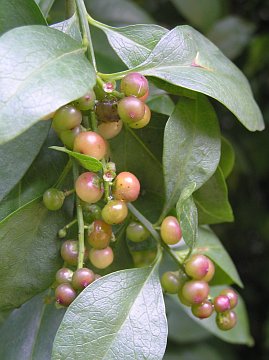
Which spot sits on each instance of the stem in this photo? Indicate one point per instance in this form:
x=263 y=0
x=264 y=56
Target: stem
x=70 y=8
x=114 y=76
x=173 y=255
x=101 y=83
x=106 y=183
x=86 y=34
x=69 y=192
x=81 y=245
x=64 y=173
x=85 y=121
x=93 y=121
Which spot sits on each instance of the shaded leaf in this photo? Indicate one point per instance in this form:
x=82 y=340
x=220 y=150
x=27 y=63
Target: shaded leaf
x=17 y=155
x=41 y=70
x=188 y=216
x=120 y=316
x=227 y=157
x=15 y=13
x=69 y=27
x=212 y=200
x=29 y=252
x=191 y=147
x=162 y=104
x=28 y=333
x=88 y=162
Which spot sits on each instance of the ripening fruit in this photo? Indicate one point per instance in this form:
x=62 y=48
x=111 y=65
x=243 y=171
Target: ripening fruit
x=197 y=266
x=203 y=310
x=82 y=278
x=232 y=295
x=144 y=121
x=68 y=137
x=131 y=109
x=66 y=118
x=211 y=271
x=53 y=199
x=136 y=232
x=101 y=259
x=195 y=292
x=114 y=212
x=170 y=282
x=65 y=294
x=170 y=230
x=91 y=212
x=64 y=276
x=107 y=111
x=86 y=102
x=221 y=303
x=182 y=298
x=109 y=130
x=89 y=187
x=100 y=236
x=227 y=320
x=126 y=187
x=134 y=84
x=91 y=144
x=69 y=251
x=144 y=97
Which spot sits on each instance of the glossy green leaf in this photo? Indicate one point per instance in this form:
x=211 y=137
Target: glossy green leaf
x=17 y=155
x=201 y=14
x=45 y=5
x=42 y=174
x=69 y=27
x=41 y=70
x=88 y=162
x=191 y=147
x=238 y=335
x=15 y=13
x=133 y=43
x=29 y=252
x=120 y=316
x=28 y=333
x=118 y=12
x=227 y=157
x=185 y=58
x=231 y=35
x=162 y=104
x=188 y=216
x=209 y=245
x=212 y=200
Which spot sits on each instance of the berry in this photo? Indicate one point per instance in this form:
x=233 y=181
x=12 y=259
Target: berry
x=211 y=271
x=86 y=102
x=134 y=84
x=91 y=212
x=69 y=251
x=144 y=97
x=91 y=144
x=144 y=121
x=82 y=278
x=182 y=298
x=68 y=137
x=170 y=230
x=221 y=303
x=227 y=320
x=109 y=130
x=131 y=109
x=126 y=187
x=137 y=232
x=107 y=111
x=115 y=212
x=100 y=236
x=203 y=310
x=197 y=266
x=170 y=282
x=89 y=187
x=66 y=118
x=195 y=291
x=53 y=199
x=232 y=295
x=65 y=294
x=101 y=259
x=64 y=276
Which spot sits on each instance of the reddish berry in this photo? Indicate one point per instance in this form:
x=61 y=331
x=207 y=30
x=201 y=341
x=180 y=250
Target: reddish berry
x=126 y=187
x=89 y=187
x=144 y=121
x=211 y=271
x=115 y=212
x=109 y=130
x=170 y=230
x=64 y=276
x=101 y=259
x=91 y=144
x=69 y=251
x=100 y=236
x=195 y=291
x=82 y=278
x=134 y=84
x=65 y=294
x=66 y=118
x=131 y=109
x=197 y=266
x=221 y=303
x=203 y=310
x=227 y=320
x=232 y=295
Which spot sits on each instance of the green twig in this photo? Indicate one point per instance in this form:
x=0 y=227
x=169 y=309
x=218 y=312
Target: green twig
x=93 y=121
x=64 y=173
x=70 y=8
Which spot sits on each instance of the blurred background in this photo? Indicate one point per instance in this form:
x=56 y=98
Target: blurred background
x=240 y=28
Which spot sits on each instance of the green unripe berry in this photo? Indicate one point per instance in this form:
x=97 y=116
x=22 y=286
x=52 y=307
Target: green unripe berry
x=66 y=118
x=226 y=321
x=115 y=212
x=68 y=137
x=170 y=282
x=91 y=212
x=86 y=102
x=137 y=232
x=53 y=199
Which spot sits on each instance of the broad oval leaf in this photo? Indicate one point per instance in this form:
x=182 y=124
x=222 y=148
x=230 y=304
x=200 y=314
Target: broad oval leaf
x=45 y=5
x=41 y=69
x=33 y=327
x=29 y=252
x=17 y=155
x=227 y=157
x=185 y=58
x=209 y=245
x=69 y=27
x=88 y=162
x=15 y=13
x=191 y=147
x=120 y=316
x=162 y=104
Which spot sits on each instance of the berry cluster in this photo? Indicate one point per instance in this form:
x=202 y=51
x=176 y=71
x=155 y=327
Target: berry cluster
x=191 y=286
